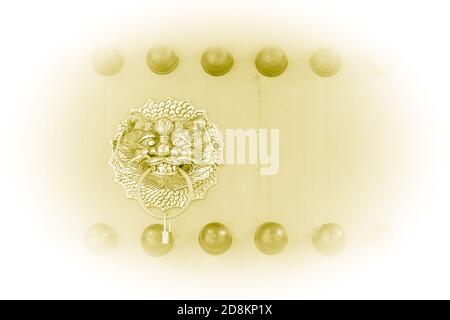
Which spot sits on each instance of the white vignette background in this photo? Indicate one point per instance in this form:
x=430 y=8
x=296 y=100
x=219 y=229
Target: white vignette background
x=35 y=34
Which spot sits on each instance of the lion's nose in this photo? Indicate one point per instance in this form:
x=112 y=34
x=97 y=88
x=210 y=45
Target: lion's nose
x=163 y=148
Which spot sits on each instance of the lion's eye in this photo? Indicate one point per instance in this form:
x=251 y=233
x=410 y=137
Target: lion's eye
x=148 y=139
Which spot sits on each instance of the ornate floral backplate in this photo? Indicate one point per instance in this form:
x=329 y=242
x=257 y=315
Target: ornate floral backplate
x=166 y=154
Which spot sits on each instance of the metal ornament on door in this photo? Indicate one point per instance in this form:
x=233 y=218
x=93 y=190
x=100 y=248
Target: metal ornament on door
x=165 y=155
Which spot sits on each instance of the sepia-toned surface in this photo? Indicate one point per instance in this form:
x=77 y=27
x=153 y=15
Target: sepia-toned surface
x=339 y=143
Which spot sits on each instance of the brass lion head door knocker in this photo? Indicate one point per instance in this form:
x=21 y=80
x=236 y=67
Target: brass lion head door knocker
x=165 y=155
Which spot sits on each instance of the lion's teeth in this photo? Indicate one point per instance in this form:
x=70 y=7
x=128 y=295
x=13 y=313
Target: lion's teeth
x=165 y=168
